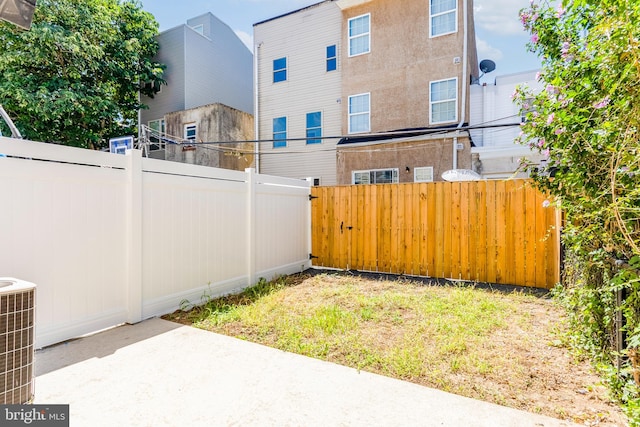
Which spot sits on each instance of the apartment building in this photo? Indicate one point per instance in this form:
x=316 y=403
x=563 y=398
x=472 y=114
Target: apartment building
x=206 y=63
x=342 y=84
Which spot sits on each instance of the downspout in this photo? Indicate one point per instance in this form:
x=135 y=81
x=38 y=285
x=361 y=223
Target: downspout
x=465 y=56
x=256 y=107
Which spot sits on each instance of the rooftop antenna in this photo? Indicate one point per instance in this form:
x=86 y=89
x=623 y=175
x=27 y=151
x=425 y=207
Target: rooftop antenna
x=486 y=66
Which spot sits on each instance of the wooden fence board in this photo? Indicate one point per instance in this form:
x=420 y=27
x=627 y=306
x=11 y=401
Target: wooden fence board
x=485 y=231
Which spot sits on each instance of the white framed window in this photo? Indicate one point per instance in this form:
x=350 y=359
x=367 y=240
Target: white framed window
x=158 y=125
x=199 y=29
x=360 y=113
x=423 y=174
x=360 y=35
x=375 y=176
x=190 y=131
x=443 y=101
x=444 y=17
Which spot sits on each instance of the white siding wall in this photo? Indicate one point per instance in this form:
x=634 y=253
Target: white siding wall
x=493 y=104
x=302 y=38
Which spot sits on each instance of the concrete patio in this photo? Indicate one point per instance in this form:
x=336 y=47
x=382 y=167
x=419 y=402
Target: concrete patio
x=158 y=373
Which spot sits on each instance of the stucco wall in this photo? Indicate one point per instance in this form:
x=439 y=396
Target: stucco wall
x=215 y=123
x=402 y=61
x=411 y=153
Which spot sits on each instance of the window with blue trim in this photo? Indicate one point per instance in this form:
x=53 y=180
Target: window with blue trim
x=359 y=35
x=279 y=132
x=332 y=58
x=279 y=70
x=314 y=128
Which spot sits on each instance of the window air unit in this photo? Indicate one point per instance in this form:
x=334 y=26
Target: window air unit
x=17 y=310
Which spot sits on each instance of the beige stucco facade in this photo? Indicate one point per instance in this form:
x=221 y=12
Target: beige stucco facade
x=213 y=123
x=403 y=60
x=406 y=154
x=397 y=70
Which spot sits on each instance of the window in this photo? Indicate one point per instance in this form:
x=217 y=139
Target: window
x=359 y=116
x=199 y=29
x=332 y=58
x=190 y=131
x=423 y=174
x=279 y=70
x=279 y=132
x=314 y=128
x=359 y=35
x=444 y=101
x=157 y=125
x=377 y=176
x=443 y=17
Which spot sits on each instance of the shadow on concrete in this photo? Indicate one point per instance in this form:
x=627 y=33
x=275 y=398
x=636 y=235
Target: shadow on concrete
x=100 y=345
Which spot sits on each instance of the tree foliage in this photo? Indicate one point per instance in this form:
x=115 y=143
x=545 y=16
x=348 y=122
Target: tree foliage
x=74 y=77
x=586 y=124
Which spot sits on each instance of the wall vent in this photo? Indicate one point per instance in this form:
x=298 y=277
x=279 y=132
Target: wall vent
x=17 y=312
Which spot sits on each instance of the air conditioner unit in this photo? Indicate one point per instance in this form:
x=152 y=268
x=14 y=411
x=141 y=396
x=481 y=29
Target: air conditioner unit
x=17 y=312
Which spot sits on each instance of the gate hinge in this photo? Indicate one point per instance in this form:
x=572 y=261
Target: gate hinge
x=312 y=197
x=311 y=256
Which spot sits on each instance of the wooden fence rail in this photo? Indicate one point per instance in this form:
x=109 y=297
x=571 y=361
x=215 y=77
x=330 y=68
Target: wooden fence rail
x=485 y=231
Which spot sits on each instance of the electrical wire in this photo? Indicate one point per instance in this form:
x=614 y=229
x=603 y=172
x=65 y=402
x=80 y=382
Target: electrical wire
x=219 y=145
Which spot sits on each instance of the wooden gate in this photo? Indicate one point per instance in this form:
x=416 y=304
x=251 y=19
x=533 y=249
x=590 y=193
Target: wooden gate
x=485 y=231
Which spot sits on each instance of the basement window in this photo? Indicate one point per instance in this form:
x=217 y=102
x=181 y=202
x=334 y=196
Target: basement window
x=375 y=176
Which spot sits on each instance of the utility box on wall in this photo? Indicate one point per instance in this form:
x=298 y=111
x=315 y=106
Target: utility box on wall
x=17 y=312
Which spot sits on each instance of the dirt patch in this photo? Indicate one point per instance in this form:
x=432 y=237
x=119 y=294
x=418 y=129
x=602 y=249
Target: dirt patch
x=521 y=363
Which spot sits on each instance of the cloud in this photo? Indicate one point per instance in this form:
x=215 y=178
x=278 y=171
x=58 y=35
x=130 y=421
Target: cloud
x=246 y=38
x=486 y=51
x=499 y=16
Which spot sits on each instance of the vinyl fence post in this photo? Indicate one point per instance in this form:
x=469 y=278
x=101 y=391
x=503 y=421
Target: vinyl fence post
x=134 y=236
x=251 y=226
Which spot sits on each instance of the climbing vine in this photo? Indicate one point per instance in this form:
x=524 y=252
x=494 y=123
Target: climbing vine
x=585 y=123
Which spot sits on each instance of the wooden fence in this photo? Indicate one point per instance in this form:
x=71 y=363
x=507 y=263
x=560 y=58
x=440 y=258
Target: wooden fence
x=485 y=231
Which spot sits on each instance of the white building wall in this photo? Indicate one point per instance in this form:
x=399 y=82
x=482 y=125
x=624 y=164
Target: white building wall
x=302 y=37
x=492 y=104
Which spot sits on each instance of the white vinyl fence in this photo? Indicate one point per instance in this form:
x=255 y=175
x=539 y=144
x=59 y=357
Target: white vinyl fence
x=110 y=239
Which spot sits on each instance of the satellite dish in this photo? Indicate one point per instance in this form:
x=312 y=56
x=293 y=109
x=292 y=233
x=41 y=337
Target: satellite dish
x=18 y=12
x=460 y=175
x=487 y=66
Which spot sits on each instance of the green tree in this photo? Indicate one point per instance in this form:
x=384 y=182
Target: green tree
x=586 y=123
x=74 y=77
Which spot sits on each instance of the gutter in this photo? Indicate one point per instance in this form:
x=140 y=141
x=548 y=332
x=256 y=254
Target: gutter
x=465 y=60
x=256 y=108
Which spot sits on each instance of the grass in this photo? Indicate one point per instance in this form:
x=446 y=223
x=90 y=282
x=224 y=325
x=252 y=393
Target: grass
x=501 y=347
x=405 y=330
